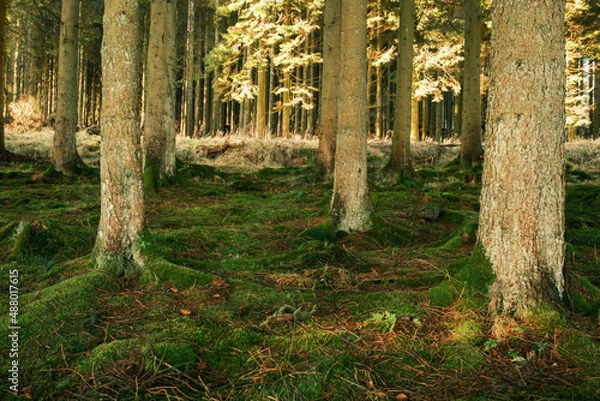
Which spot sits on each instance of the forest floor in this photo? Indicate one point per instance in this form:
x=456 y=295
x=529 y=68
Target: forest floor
x=246 y=295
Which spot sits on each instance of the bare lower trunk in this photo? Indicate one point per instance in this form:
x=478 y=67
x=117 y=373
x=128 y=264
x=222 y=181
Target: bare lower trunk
x=351 y=205
x=329 y=87
x=400 y=158
x=159 y=126
x=470 y=149
x=522 y=200
x=64 y=153
x=122 y=201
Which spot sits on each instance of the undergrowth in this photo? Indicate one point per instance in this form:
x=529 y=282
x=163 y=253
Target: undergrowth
x=247 y=295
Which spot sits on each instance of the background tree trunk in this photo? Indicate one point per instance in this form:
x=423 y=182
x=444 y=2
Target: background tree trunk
x=64 y=153
x=596 y=112
x=400 y=156
x=187 y=118
x=122 y=195
x=351 y=207
x=522 y=200
x=470 y=141
x=329 y=86
x=159 y=125
x=261 y=103
x=3 y=151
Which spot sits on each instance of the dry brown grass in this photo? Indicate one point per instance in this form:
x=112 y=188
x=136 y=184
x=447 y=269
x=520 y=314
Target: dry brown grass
x=26 y=115
x=243 y=153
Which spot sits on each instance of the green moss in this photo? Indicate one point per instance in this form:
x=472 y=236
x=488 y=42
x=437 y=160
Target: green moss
x=454 y=217
x=109 y=352
x=310 y=254
x=463 y=357
x=463 y=235
x=7 y=229
x=582 y=347
x=22 y=240
x=443 y=294
x=173 y=354
x=151 y=179
x=322 y=232
x=398 y=302
x=545 y=318
x=386 y=233
x=470 y=276
x=477 y=272
x=158 y=270
x=468 y=331
x=582 y=295
x=197 y=171
x=57 y=323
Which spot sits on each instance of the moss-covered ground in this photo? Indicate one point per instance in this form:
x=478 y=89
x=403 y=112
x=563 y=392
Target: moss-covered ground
x=247 y=295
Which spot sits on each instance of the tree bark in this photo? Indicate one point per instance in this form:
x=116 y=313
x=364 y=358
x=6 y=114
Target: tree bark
x=596 y=118
x=351 y=207
x=400 y=158
x=122 y=197
x=188 y=92
x=329 y=86
x=64 y=152
x=470 y=141
x=159 y=125
x=414 y=125
x=286 y=108
x=522 y=200
x=261 y=103
x=3 y=151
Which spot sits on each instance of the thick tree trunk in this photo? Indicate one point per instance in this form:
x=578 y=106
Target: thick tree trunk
x=329 y=86
x=122 y=196
x=64 y=153
x=159 y=125
x=351 y=207
x=400 y=158
x=522 y=200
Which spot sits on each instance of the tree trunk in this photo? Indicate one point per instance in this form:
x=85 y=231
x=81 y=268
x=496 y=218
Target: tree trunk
x=3 y=152
x=379 y=102
x=159 y=125
x=329 y=86
x=470 y=141
x=400 y=156
x=261 y=103
x=351 y=207
x=64 y=153
x=122 y=196
x=596 y=119
x=286 y=110
x=414 y=124
x=458 y=106
x=188 y=92
x=522 y=200
x=437 y=125
x=217 y=114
